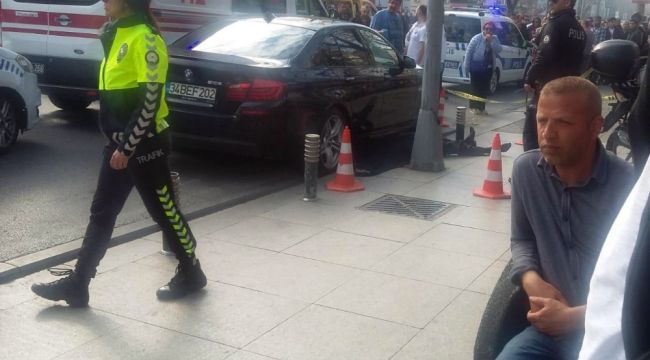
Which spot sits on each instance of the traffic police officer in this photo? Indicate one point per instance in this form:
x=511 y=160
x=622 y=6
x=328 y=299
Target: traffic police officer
x=133 y=117
x=560 y=53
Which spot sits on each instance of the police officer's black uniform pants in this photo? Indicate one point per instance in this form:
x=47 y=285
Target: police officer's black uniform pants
x=480 y=84
x=148 y=171
x=530 y=125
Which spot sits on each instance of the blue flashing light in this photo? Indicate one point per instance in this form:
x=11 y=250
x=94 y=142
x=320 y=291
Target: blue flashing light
x=192 y=45
x=497 y=10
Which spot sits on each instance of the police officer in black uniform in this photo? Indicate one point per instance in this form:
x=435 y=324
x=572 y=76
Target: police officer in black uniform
x=561 y=44
x=133 y=117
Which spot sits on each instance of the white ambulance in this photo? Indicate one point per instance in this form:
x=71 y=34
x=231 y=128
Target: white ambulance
x=460 y=26
x=60 y=37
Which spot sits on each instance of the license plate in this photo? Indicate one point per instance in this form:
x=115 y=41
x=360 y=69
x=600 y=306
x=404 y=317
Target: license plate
x=39 y=68
x=192 y=92
x=451 y=64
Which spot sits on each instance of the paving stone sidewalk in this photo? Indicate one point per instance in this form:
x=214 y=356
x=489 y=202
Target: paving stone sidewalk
x=293 y=280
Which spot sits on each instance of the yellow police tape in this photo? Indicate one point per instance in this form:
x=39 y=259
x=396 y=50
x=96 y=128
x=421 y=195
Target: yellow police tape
x=467 y=96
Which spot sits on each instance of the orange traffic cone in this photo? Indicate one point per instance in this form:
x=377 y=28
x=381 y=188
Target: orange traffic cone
x=345 y=180
x=441 y=108
x=493 y=184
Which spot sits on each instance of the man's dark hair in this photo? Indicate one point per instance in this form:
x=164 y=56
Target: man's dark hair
x=573 y=3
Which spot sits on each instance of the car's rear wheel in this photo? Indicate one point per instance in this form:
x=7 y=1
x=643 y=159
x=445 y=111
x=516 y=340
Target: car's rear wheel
x=69 y=102
x=494 y=82
x=331 y=134
x=8 y=123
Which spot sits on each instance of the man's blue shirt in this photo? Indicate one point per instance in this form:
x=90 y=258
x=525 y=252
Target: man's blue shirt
x=390 y=25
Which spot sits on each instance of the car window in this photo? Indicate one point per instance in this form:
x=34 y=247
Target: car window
x=61 y=2
x=382 y=52
x=461 y=29
x=309 y=7
x=352 y=49
x=257 y=6
x=253 y=38
x=502 y=31
x=515 y=36
x=327 y=54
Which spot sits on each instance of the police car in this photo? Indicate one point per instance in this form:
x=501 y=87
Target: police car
x=19 y=97
x=461 y=25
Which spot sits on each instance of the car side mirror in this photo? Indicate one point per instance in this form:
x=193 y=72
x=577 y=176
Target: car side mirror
x=408 y=63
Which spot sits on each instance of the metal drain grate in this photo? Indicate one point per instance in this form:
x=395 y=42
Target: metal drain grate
x=422 y=209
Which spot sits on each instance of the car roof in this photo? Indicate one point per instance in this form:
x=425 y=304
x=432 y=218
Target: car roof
x=476 y=14
x=306 y=22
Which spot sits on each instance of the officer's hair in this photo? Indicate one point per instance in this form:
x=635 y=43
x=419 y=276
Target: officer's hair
x=576 y=85
x=573 y=3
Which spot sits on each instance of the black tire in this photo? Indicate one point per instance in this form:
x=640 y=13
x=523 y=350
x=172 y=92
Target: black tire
x=503 y=318
x=9 y=126
x=69 y=102
x=494 y=82
x=331 y=133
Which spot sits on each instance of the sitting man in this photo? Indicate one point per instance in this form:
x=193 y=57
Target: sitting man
x=565 y=196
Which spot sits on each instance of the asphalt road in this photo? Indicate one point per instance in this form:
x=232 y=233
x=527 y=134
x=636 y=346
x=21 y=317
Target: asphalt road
x=47 y=182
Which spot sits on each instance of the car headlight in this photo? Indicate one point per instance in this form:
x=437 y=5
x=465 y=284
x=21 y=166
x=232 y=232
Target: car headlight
x=25 y=64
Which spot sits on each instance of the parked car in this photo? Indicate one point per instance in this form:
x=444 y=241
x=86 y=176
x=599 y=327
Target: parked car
x=285 y=77
x=19 y=97
x=60 y=37
x=512 y=62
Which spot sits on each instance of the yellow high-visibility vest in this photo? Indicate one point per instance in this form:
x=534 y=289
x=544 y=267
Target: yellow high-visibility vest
x=137 y=55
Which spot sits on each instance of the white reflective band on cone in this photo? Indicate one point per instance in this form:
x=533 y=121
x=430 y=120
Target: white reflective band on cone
x=346 y=148
x=495 y=155
x=345 y=169
x=494 y=176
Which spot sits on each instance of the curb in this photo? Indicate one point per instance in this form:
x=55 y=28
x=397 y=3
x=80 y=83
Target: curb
x=42 y=264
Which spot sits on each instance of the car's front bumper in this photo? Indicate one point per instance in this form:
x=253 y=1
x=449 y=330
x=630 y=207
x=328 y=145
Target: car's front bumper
x=31 y=94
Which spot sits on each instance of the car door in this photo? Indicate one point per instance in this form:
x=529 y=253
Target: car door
x=362 y=90
x=25 y=26
x=521 y=53
x=72 y=40
x=513 y=56
x=400 y=90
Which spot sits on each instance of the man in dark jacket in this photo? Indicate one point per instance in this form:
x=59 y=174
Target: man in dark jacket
x=637 y=35
x=615 y=29
x=560 y=53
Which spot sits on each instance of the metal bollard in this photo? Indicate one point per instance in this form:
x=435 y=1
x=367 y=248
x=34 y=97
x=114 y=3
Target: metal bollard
x=312 y=157
x=461 y=115
x=176 y=185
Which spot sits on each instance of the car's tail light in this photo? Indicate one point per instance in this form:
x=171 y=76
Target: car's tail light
x=258 y=90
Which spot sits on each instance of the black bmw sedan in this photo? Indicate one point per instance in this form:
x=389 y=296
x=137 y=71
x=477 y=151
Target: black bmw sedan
x=257 y=86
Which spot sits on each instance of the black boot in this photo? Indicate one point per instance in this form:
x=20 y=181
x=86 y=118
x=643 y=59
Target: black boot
x=73 y=289
x=188 y=279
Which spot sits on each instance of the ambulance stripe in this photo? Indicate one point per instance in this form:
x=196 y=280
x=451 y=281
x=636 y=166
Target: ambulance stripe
x=24 y=31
